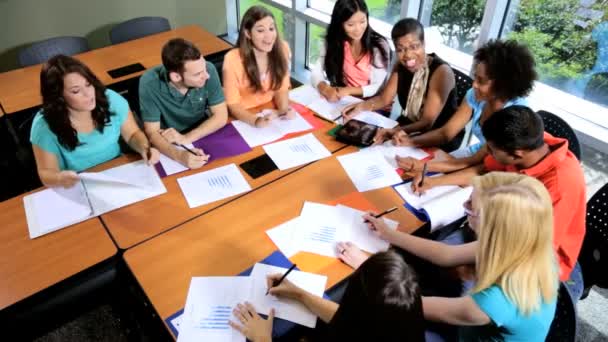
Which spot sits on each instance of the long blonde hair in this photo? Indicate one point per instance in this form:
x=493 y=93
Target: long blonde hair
x=516 y=239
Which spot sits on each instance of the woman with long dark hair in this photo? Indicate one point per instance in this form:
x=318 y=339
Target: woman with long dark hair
x=353 y=58
x=257 y=71
x=80 y=123
x=381 y=303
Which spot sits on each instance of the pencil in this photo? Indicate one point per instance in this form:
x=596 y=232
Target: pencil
x=278 y=282
x=421 y=183
x=387 y=211
x=185 y=148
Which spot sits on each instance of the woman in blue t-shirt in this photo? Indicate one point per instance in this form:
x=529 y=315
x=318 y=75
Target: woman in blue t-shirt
x=503 y=76
x=516 y=274
x=80 y=123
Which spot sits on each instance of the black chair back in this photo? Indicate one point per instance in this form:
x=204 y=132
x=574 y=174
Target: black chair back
x=137 y=28
x=42 y=51
x=463 y=84
x=563 y=327
x=593 y=257
x=557 y=127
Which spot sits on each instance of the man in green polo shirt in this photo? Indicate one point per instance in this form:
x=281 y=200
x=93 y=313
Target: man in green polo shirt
x=181 y=101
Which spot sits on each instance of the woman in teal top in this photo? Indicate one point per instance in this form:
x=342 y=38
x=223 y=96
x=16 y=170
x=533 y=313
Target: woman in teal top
x=80 y=123
x=516 y=272
x=504 y=76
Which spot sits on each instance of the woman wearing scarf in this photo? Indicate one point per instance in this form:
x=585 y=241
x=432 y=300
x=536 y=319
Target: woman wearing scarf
x=424 y=83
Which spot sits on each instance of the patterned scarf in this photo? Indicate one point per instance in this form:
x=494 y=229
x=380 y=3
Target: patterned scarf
x=415 y=97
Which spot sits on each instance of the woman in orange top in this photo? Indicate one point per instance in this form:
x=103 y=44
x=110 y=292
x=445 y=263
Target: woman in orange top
x=257 y=71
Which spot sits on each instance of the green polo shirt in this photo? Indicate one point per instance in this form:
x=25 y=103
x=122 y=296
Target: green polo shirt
x=159 y=101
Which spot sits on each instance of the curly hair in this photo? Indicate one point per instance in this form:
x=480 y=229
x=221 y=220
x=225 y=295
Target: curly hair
x=510 y=66
x=54 y=107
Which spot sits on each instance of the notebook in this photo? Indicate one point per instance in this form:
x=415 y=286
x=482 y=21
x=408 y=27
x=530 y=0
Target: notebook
x=95 y=194
x=440 y=205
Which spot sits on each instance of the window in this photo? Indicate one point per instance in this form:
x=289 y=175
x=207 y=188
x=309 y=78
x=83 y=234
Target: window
x=458 y=22
x=569 y=40
x=385 y=10
x=316 y=36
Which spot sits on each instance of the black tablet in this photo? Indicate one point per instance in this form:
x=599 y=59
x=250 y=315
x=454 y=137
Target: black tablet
x=259 y=166
x=126 y=70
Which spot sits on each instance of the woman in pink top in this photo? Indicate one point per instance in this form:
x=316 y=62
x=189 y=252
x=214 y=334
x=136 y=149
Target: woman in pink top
x=257 y=71
x=357 y=61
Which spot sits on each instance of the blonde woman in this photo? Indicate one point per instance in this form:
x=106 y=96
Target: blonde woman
x=516 y=270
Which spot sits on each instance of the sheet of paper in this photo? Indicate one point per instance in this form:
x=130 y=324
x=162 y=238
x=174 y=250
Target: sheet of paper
x=296 y=151
x=55 y=208
x=130 y=183
x=442 y=204
x=209 y=307
x=283 y=237
x=293 y=125
x=358 y=233
x=304 y=94
x=213 y=185
x=288 y=309
x=419 y=201
x=329 y=110
x=376 y=119
x=255 y=136
x=369 y=170
x=448 y=208
x=321 y=226
x=171 y=166
x=390 y=151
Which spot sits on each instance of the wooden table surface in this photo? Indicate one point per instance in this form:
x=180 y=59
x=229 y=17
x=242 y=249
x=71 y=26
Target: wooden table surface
x=30 y=266
x=230 y=239
x=140 y=221
x=20 y=88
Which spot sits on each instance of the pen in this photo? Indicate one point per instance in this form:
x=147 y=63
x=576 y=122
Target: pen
x=278 y=282
x=421 y=183
x=387 y=211
x=187 y=149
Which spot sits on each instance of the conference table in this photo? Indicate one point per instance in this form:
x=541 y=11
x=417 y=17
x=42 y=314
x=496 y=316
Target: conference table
x=29 y=266
x=230 y=239
x=140 y=221
x=20 y=88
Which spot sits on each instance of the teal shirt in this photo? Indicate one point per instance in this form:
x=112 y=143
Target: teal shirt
x=477 y=107
x=160 y=102
x=513 y=325
x=94 y=147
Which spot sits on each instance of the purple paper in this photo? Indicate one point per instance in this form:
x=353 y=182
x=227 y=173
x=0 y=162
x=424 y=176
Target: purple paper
x=225 y=142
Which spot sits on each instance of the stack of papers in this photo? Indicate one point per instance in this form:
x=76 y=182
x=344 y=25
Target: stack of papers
x=369 y=170
x=213 y=185
x=308 y=96
x=296 y=151
x=211 y=300
x=276 y=129
x=440 y=205
x=390 y=151
x=96 y=193
x=331 y=110
x=320 y=227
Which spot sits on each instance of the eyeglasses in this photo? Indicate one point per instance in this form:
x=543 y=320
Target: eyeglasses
x=404 y=49
x=468 y=208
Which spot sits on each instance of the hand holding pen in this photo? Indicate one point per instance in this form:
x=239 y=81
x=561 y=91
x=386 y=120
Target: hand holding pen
x=192 y=158
x=274 y=281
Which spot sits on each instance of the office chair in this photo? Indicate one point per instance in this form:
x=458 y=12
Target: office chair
x=593 y=257
x=563 y=327
x=42 y=51
x=137 y=28
x=557 y=127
